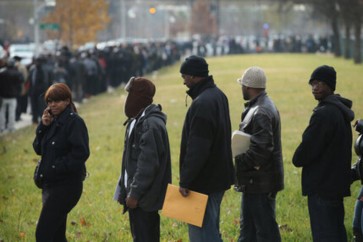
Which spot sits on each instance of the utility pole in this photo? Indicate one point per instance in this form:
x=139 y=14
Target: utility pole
x=36 y=27
x=123 y=19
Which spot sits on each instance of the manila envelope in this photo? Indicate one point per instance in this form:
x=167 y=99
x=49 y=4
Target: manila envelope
x=188 y=209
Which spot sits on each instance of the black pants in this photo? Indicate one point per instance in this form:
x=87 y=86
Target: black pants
x=21 y=106
x=58 y=201
x=145 y=226
x=37 y=105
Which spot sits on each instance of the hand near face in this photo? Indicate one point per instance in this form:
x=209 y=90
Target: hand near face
x=47 y=117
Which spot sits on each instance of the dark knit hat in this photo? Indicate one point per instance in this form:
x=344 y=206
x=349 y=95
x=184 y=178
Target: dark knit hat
x=325 y=74
x=141 y=92
x=194 y=66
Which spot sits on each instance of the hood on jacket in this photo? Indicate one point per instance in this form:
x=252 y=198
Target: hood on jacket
x=198 y=88
x=152 y=110
x=343 y=104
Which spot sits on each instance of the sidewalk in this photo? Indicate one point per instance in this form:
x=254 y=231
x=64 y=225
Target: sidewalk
x=26 y=120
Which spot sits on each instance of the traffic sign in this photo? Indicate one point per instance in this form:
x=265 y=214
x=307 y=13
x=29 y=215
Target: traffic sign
x=49 y=26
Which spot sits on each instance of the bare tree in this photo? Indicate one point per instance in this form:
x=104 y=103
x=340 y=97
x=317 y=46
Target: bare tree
x=351 y=11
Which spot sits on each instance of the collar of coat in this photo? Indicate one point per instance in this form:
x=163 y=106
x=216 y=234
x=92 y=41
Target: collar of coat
x=254 y=100
x=198 y=88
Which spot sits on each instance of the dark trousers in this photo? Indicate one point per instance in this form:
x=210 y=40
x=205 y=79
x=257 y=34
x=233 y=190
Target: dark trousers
x=327 y=219
x=258 y=220
x=145 y=226
x=57 y=203
x=21 y=106
x=37 y=105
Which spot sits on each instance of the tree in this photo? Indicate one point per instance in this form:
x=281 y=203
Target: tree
x=353 y=10
x=350 y=11
x=329 y=9
x=79 y=20
x=202 y=21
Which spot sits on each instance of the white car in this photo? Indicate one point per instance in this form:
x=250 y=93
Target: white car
x=25 y=51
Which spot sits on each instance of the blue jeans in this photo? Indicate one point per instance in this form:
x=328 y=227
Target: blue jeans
x=258 y=220
x=358 y=213
x=209 y=232
x=327 y=219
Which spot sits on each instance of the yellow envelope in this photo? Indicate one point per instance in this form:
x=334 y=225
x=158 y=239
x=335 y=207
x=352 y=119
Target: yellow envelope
x=188 y=209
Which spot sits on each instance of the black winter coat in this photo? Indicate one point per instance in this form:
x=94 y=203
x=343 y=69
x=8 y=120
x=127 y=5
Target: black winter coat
x=325 y=153
x=206 y=164
x=146 y=159
x=64 y=149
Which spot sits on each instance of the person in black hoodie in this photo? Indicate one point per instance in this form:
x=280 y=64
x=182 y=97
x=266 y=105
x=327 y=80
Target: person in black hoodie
x=325 y=155
x=146 y=162
x=62 y=142
x=206 y=164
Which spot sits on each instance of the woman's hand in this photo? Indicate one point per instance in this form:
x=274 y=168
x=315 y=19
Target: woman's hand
x=47 y=117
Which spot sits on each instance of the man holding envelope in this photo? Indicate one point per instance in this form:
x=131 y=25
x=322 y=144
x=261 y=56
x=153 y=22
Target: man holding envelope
x=206 y=164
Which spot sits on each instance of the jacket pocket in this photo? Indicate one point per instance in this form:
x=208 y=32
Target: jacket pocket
x=37 y=177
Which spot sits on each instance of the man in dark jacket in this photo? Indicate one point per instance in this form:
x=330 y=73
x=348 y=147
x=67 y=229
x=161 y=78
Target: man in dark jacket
x=10 y=87
x=260 y=168
x=205 y=155
x=39 y=79
x=325 y=155
x=146 y=163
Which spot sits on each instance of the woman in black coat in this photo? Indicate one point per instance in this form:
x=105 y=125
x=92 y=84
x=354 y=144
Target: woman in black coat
x=62 y=142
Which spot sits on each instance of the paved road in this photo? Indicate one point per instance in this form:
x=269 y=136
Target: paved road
x=26 y=120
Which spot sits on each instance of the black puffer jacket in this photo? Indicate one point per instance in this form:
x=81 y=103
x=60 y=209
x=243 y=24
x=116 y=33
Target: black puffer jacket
x=205 y=155
x=325 y=152
x=146 y=159
x=64 y=149
x=260 y=169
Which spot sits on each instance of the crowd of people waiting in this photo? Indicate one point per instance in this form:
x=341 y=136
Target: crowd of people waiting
x=87 y=73
x=92 y=71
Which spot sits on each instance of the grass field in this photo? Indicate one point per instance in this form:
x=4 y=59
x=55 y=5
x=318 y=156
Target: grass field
x=98 y=218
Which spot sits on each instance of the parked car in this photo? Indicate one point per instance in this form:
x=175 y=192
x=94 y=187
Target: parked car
x=25 y=51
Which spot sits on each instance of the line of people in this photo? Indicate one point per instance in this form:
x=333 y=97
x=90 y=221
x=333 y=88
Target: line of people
x=206 y=162
x=90 y=72
x=87 y=73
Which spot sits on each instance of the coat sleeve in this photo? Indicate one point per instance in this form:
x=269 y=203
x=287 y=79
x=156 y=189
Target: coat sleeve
x=262 y=144
x=78 y=143
x=313 y=141
x=39 y=134
x=148 y=163
x=198 y=144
